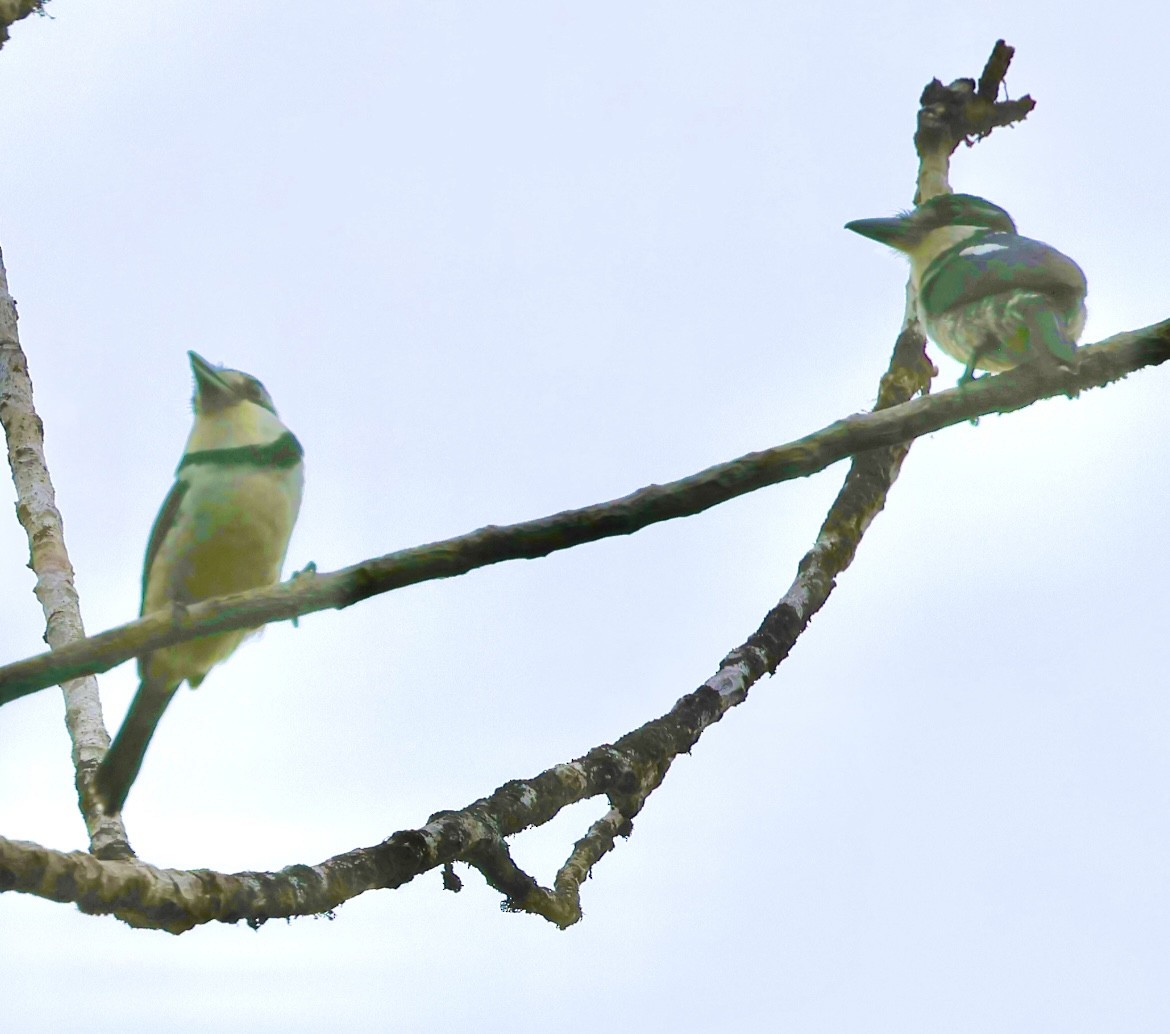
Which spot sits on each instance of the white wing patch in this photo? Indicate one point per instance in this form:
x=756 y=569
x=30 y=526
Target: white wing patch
x=983 y=249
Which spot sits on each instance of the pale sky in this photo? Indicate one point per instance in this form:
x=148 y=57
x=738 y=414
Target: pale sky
x=494 y=260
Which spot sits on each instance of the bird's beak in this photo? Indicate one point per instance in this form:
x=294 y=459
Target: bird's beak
x=209 y=383
x=893 y=232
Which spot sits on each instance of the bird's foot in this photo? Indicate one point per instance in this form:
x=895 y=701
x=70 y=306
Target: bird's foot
x=310 y=569
x=970 y=378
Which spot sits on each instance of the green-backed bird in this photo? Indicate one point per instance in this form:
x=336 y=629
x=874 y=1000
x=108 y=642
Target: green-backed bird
x=223 y=528
x=988 y=297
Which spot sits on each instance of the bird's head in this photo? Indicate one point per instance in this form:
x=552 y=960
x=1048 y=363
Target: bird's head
x=909 y=229
x=934 y=226
x=217 y=388
x=232 y=408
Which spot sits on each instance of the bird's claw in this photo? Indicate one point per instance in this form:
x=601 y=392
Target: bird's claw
x=309 y=569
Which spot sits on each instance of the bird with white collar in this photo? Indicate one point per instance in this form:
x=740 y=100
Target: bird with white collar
x=988 y=296
x=224 y=528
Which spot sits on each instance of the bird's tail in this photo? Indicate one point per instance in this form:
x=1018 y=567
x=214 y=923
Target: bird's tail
x=119 y=768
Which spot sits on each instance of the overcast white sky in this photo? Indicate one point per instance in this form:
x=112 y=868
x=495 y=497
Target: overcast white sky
x=498 y=259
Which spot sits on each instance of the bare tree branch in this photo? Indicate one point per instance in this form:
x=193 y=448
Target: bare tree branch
x=36 y=508
x=174 y=900
x=627 y=771
x=631 y=768
x=1098 y=365
x=966 y=110
x=862 y=497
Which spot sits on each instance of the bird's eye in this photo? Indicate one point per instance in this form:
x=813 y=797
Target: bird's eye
x=252 y=390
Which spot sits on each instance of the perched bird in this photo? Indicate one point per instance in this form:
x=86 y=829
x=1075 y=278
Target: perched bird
x=988 y=297
x=223 y=528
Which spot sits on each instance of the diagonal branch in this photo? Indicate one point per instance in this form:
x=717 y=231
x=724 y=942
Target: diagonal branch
x=1098 y=365
x=861 y=498
x=626 y=771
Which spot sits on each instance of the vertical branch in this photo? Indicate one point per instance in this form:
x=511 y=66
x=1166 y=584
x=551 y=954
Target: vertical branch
x=964 y=110
x=36 y=508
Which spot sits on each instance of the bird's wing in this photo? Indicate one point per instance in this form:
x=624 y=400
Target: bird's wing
x=997 y=262
x=162 y=524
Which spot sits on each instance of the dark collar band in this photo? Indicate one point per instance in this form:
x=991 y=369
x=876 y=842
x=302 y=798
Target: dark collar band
x=285 y=452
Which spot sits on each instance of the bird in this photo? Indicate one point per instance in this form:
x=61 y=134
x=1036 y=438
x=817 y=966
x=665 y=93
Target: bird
x=987 y=296
x=223 y=528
